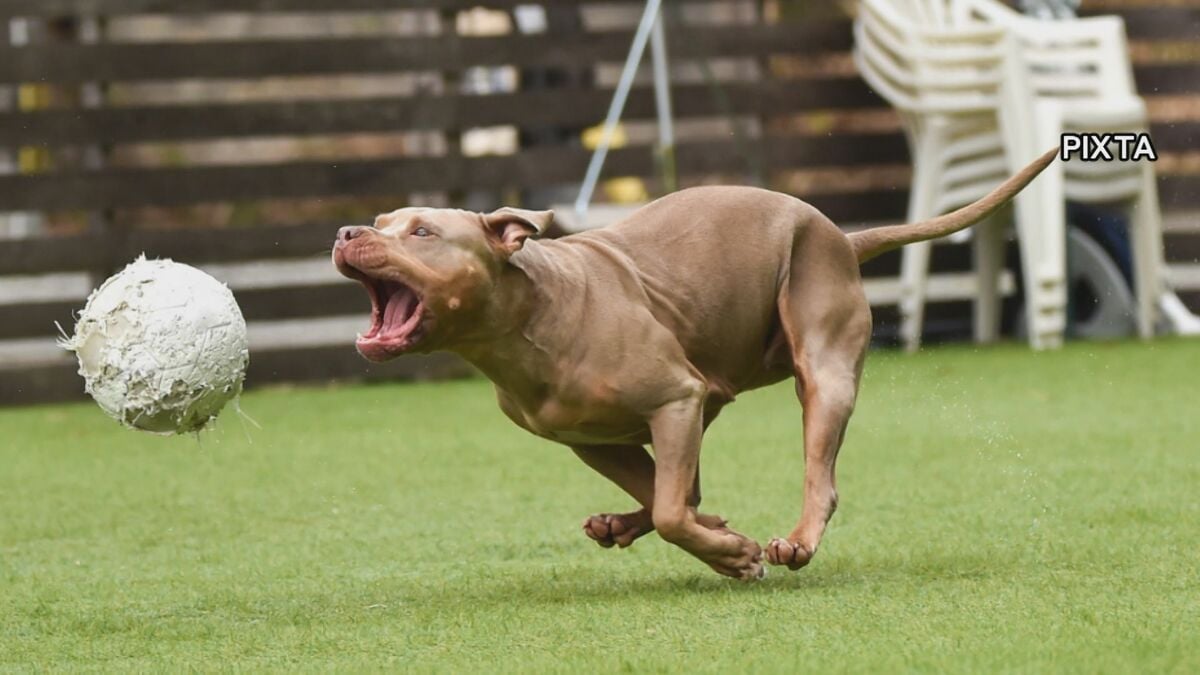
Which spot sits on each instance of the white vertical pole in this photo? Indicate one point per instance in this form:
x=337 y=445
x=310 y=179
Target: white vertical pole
x=649 y=17
x=662 y=105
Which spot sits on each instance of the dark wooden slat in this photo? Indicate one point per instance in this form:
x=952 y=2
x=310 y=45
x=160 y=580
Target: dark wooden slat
x=323 y=364
x=535 y=167
x=1141 y=22
x=304 y=302
x=1182 y=247
x=943 y=258
x=561 y=107
x=1192 y=300
x=861 y=207
x=36 y=319
x=27 y=385
x=86 y=252
x=60 y=254
x=1156 y=23
x=1178 y=192
x=1167 y=78
x=242 y=59
x=234 y=245
x=125 y=7
x=261 y=304
x=60 y=382
x=944 y=321
x=239 y=59
x=570 y=107
x=541 y=167
x=1175 y=136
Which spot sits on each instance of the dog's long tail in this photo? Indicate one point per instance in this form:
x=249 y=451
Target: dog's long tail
x=870 y=243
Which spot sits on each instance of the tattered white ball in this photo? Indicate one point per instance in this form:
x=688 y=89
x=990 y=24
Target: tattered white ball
x=161 y=346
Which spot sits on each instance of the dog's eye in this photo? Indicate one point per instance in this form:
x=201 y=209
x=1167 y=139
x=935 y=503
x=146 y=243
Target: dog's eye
x=421 y=232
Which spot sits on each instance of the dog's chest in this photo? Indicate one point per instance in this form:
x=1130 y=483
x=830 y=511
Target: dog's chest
x=575 y=419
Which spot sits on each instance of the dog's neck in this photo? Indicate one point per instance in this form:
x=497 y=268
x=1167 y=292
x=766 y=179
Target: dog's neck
x=503 y=349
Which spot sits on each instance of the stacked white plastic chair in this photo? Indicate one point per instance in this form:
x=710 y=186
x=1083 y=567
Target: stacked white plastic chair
x=1018 y=83
x=953 y=83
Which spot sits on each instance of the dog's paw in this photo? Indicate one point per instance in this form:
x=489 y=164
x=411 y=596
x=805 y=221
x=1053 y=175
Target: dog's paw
x=757 y=571
x=745 y=565
x=784 y=552
x=619 y=529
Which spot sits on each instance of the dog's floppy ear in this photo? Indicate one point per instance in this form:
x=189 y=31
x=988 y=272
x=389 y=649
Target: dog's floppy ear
x=513 y=226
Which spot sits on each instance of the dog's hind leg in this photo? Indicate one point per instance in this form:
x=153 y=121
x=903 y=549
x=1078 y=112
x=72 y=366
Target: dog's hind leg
x=632 y=469
x=827 y=321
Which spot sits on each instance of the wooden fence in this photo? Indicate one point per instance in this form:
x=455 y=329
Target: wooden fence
x=785 y=123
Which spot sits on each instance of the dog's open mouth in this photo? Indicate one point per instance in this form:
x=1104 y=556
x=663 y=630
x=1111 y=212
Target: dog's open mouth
x=397 y=319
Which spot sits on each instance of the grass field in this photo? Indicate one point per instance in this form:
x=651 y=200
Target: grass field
x=1001 y=510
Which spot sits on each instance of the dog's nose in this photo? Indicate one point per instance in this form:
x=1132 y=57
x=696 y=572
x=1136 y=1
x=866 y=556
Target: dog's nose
x=349 y=232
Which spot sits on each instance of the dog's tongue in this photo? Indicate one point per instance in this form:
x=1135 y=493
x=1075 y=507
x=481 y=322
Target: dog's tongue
x=401 y=301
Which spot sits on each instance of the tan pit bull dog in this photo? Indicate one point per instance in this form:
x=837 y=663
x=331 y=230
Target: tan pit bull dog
x=641 y=332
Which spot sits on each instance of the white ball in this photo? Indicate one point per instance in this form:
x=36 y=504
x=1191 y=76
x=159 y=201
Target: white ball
x=161 y=346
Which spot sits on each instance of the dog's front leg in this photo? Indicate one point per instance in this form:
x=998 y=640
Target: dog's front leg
x=632 y=469
x=676 y=429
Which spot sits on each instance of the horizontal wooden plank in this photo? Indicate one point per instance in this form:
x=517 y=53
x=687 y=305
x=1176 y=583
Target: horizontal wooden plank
x=944 y=322
x=1156 y=23
x=943 y=258
x=1142 y=21
x=1176 y=136
x=325 y=364
x=526 y=109
x=60 y=381
x=303 y=302
x=1182 y=247
x=113 y=62
x=1160 y=79
x=1192 y=300
x=1177 y=193
x=565 y=107
x=95 y=251
x=533 y=167
x=46 y=383
x=51 y=8
x=854 y=208
x=259 y=304
x=36 y=319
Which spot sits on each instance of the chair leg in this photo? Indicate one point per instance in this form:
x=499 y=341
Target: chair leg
x=914 y=258
x=1041 y=219
x=989 y=262
x=1041 y=233
x=1146 y=240
x=914 y=283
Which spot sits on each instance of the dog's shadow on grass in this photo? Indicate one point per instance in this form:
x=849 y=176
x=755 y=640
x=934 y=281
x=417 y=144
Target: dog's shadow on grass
x=573 y=586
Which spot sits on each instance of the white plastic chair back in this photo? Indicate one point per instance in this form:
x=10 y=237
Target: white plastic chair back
x=942 y=77
x=950 y=73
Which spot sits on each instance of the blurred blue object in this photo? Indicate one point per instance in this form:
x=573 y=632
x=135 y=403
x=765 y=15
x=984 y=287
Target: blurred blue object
x=1107 y=228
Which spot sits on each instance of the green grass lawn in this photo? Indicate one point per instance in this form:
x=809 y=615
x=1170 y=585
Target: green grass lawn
x=1001 y=510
